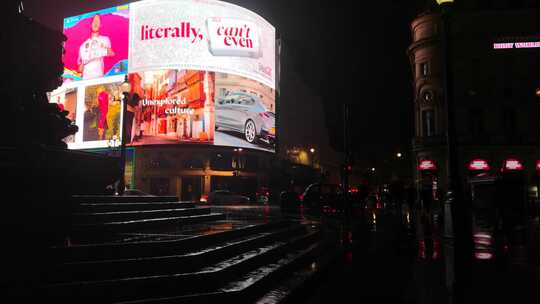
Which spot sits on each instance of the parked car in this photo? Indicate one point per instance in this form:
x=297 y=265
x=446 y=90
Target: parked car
x=262 y=195
x=245 y=113
x=327 y=198
x=226 y=196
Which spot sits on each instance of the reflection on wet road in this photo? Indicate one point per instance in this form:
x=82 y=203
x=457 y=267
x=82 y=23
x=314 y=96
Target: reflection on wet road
x=400 y=256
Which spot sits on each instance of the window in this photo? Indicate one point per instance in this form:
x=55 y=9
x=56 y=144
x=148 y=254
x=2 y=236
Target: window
x=476 y=121
x=239 y=162
x=252 y=163
x=222 y=161
x=509 y=120
x=223 y=92
x=424 y=68
x=428 y=123
x=193 y=164
x=508 y=92
x=427 y=96
x=247 y=101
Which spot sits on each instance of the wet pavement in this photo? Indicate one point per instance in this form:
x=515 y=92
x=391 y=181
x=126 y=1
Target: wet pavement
x=399 y=257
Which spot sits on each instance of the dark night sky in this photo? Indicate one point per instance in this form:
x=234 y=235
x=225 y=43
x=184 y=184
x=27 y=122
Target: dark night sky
x=344 y=53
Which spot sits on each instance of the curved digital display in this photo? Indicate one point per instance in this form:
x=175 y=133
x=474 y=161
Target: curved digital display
x=200 y=72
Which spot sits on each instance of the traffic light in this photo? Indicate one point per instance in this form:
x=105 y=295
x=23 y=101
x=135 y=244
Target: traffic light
x=346 y=169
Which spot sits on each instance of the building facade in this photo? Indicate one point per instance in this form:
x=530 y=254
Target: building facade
x=494 y=91
x=192 y=171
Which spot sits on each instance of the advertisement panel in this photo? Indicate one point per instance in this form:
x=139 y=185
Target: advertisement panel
x=97 y=44
x=176 y=106
x=201 y=35
x=102 y=106
x=201 y=72
x=66 y=99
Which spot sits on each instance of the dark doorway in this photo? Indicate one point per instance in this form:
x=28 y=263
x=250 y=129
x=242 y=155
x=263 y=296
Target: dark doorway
x=159 y=186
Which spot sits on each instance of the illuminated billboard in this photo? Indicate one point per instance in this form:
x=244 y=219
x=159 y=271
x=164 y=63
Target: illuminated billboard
x=97 y=44
x=201 y=72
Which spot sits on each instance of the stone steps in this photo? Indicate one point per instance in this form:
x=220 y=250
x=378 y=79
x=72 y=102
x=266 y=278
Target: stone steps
x=226 y=268
x=168 y=264
x=99 y=219
x=119 y=207
x=124 y=216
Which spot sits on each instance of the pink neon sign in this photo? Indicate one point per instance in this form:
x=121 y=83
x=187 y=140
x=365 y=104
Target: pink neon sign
x=478 y=164
x=513 y=165
x=427 y=165
x=516 y=45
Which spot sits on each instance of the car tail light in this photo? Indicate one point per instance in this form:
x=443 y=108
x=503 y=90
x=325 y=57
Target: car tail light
x=204 y=199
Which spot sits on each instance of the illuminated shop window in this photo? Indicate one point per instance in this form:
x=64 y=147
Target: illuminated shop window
x=509 y=120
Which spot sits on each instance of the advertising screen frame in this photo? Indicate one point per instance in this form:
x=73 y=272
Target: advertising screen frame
x=258 y=92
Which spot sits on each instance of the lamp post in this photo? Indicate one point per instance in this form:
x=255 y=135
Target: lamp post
x=126 y=89
x=453 y=204
x=312 y=151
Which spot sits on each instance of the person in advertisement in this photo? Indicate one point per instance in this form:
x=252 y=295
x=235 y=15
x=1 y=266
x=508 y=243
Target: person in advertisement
x=103 y=103
x=132 y=105
x=92 y=51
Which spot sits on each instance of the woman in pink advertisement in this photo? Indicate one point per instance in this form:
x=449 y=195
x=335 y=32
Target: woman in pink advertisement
x=92 y=52
x=103 y=103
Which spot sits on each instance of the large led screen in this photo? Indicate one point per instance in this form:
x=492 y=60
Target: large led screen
x=97 y=44
x=200 y=72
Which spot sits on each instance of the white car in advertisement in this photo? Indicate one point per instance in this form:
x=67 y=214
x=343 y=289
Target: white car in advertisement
x=246 y=113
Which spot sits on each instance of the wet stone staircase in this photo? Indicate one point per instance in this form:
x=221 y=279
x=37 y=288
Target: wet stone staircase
x=98 y=219
x=222 y=262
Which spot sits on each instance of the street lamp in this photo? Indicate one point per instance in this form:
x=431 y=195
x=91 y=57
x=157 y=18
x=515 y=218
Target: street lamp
x=312 y=150
x=126 y=89
x=399 y=155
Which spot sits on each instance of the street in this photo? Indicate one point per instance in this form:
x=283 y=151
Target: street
x=392 y=262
